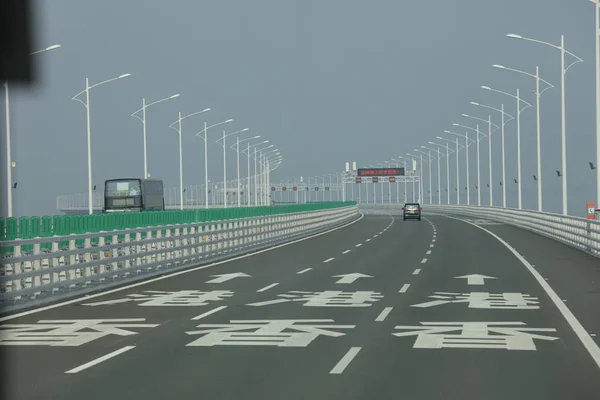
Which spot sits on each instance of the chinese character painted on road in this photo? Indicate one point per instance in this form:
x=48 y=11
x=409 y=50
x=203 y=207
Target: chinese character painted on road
x=68 y=332
x=512 y=301
x=279 y=333
x=161 y=298
x=328 y=298
x=475 y=335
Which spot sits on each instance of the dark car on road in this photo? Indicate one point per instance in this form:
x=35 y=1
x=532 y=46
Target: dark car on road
x=412 y=211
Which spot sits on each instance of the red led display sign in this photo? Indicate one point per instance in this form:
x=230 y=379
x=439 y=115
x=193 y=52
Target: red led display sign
x=380 y=172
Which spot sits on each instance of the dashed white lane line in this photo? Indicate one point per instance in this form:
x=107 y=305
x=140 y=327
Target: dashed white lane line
x=346 y=252
x=381 y=317
x=368 y=240
x=99 y=360
x=268 y=287
x=428 y=251
x=433 y=240
x=404 y=288
x=417 y=271
x=375 y=236
x=347 y=359
x=206 y=314
x=329 y=259
x=423 y=261
x=431 y=245
x=303 y=271
x=358 y=245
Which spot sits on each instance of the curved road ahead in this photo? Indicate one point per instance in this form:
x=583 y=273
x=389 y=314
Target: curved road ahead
x=380 y=309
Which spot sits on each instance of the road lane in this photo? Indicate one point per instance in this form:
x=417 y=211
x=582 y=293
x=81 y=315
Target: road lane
x=179 y=358
x=554 y=369
x=264 y=268
x=572 y=273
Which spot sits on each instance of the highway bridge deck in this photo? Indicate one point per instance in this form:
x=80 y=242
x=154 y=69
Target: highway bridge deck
x=380 y=309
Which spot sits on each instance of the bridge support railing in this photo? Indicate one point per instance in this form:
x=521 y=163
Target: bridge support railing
x=59 y=267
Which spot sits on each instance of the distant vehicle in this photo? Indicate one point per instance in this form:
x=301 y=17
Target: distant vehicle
x=123 y=195
x=412 y=211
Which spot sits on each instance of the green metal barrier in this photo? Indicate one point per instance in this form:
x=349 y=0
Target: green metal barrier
x=63 y=225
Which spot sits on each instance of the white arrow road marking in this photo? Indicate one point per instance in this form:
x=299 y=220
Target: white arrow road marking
x=475 y=279
x=99 y=360
x=350 y=278
x=226 y=277
x=347 y=359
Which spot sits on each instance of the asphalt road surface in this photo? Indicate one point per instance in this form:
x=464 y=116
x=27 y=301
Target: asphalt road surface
x=380 y=309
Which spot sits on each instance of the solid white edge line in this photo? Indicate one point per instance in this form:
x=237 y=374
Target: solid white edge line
x=383 y=315
x=404 y=288
x=347 y=359
x=99 y=360
x=272 y=285
x=206 y=314
x=145 y=282
x=579 y=330
x=416 y=271
x=303 y=271
x=329 y=259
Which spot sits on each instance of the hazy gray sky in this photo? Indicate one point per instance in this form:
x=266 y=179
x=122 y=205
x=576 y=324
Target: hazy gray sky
x=325 y=80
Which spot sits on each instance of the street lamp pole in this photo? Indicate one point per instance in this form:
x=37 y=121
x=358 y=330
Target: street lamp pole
x=563 y=137
x=467 y=139
x=178 y=129
x=224 y=144
x=519 y=110
x=89 y=130
x=205 y=131
x=9 y=161
x=143 y=119
x=538 y=94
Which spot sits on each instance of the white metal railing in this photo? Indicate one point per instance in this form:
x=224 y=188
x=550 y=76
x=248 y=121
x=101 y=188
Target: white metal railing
x=64 y=266
x=578 y=232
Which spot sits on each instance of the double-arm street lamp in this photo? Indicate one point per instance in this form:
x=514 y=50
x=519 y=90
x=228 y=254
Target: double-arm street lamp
x=457 y=165
x=439 y=188
x=489 y=136
x=205 y=137
x=538 y=94
x=519 y=110
x=468 y=141
x=502 y=124
x=563 y=136
x=447 y=165
x=236 y=147
x=178 y=129
x=86 y=103
x=224 y=144
x=143 y=119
